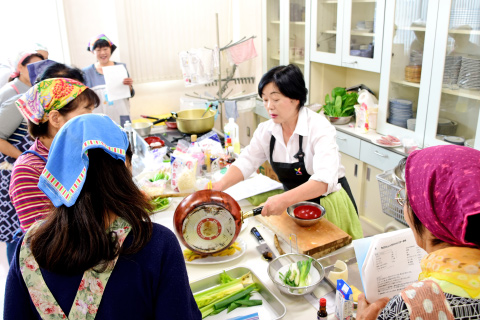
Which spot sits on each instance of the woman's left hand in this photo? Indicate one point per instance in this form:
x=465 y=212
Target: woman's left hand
x=275 y=205
x=128 y=81
x=367 y=311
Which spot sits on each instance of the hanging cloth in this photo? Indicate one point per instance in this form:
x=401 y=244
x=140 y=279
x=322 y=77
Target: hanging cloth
x=90 y=290
x=241 y=52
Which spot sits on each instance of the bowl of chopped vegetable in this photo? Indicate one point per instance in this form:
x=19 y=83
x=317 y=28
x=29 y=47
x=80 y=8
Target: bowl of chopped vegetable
x=295 y=274
x=306 y=213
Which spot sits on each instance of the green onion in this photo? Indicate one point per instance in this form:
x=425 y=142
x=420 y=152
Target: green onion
x=235 y=296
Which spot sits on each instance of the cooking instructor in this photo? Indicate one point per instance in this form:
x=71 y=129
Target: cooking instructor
x=301 y=147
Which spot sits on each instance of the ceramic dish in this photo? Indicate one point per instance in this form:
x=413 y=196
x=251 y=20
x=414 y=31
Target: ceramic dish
x=221 y=259
x=393 y=145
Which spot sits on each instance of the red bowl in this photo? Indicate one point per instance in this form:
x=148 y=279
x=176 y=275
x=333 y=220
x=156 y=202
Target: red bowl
x=153 y=139
x=171 y=124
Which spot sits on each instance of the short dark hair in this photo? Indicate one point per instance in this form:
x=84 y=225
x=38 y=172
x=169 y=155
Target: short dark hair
x=102 y=43
x=88 y=96
x=60 y=70
x=289 y=80
x=27 y=61
x=73 y=239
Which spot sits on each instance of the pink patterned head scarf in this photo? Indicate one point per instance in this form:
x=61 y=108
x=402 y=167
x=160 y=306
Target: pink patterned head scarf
x=443 y=187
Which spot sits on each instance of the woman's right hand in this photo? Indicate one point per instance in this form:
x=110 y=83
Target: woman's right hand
x=217 y=186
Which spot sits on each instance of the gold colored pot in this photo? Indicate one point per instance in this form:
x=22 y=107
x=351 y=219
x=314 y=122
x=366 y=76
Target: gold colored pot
x=191 y=121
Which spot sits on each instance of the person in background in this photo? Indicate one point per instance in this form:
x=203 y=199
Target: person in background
x=301 y=147
x=97 y=252
x=19 y=80
x=47 y=106
x=441 y=205
x=102 y=48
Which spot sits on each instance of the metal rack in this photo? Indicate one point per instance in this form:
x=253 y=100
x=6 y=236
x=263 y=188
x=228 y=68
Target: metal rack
x=223 y=82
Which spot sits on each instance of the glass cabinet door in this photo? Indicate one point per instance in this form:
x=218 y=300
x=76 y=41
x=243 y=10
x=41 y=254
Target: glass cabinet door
x=407 y=64
x=454 y=115
x=296 y=33
x=273 y=35
x=326 y=36
x=363 y=34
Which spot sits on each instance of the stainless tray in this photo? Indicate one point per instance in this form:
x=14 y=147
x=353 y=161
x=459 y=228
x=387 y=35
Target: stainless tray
x=271 y=304
x=347 y=256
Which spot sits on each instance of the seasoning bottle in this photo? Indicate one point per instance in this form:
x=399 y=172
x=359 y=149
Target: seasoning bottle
x=230 y=159
x=322 y=312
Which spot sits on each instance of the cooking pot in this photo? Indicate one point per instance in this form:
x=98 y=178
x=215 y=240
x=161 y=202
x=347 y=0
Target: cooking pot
x=191 y=121
x=209 y=221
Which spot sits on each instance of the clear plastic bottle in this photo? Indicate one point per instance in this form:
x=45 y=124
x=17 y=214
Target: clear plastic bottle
x=231 y=129
x=127 y=126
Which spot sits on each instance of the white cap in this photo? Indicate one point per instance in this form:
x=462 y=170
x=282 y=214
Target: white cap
x=230 y=149
x=231 y=120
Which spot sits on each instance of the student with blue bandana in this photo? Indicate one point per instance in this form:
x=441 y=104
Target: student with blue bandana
x=97 y=254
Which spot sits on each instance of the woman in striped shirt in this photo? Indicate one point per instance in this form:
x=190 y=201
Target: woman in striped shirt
x=47 y=106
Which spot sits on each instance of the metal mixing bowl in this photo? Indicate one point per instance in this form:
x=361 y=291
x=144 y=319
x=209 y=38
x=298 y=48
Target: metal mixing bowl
x=281 y=263
x=305 y=222
x=340 y=120
x=142 y=128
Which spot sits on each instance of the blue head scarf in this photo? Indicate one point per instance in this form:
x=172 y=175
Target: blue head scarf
x=67 y=166
x=36 y=69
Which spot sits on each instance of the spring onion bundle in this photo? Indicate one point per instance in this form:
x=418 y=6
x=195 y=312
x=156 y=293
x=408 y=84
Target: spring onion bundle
x=297 y=274
x=229 y=295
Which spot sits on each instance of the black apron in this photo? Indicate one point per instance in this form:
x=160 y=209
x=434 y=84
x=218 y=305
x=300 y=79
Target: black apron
x=291 y=175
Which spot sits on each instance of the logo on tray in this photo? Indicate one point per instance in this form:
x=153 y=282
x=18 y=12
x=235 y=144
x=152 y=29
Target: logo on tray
x=298 y=172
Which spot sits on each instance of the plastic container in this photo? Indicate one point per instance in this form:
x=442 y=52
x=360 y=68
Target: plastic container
x=231 y=129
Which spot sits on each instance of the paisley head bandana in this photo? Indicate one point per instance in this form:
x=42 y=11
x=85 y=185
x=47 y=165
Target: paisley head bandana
x=100 y=37
x=443 y=187
x=48 y=95
x=64 y=175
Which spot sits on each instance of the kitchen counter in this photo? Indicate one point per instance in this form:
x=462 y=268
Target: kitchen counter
x=297 y=307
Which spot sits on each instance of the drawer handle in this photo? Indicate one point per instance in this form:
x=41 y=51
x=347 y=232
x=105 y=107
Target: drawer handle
x=343 y=139
x=381 y=155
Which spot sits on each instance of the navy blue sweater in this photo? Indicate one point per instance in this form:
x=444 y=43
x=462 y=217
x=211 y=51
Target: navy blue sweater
x=151 y=284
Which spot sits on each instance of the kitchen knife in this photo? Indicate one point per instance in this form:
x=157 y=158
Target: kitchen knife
x=263 y=248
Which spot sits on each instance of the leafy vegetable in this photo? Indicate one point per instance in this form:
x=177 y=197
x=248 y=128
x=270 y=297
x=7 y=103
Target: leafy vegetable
x=340 y=104
x=160 y=176
x=160 y=203
x=225 y=278
x=297 y=274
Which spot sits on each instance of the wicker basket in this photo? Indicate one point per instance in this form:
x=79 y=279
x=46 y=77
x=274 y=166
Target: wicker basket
x=388 y=190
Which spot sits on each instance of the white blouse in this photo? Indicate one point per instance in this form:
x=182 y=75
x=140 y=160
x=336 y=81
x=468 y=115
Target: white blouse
x=322 y=159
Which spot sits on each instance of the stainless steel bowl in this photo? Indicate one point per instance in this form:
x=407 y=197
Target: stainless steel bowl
x=305 y=222
x=142 y=128
x=340 y=120
x=281 y=264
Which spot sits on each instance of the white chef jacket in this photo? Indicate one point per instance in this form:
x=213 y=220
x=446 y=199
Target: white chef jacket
x=322 y=159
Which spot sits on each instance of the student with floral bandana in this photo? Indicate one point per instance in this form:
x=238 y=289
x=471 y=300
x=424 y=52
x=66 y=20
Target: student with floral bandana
x=442 y=207
x=47 y=106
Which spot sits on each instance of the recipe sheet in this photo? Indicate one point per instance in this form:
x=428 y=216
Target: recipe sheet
x=388 y=263
x=253 y=186
x=114 y=76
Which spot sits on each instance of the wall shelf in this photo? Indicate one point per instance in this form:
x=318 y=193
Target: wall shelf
x=470 y=94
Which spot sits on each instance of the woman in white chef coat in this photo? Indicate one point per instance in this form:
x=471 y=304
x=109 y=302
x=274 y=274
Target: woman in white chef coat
x=301 y=147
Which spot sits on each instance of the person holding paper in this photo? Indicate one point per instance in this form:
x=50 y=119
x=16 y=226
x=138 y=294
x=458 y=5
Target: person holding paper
x=301 y=147
x=442 y=207
x=102 y=47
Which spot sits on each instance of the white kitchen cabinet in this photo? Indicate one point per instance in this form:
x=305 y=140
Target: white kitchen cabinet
x=353 y=173
x=348 y=33
x=286 y=34
x=433 y=66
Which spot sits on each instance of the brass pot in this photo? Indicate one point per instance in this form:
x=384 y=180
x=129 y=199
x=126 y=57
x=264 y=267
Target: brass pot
x=191 y=121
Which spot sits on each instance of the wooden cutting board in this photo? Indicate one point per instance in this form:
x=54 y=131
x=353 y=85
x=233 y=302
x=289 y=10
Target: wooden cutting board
x=316 y=241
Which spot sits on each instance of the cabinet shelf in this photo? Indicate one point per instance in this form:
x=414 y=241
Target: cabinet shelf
x=423 y=29
x=362 y=34
x=471 y=32
x=297 y=62
x=330 y=31
x=470 y=94
x=298 y=23
x=354 y=1
x=275 y=57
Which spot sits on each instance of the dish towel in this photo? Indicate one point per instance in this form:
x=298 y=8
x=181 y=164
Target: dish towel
x=231 y=109
x=241 y=52
x=341 y=212
x=67 y=166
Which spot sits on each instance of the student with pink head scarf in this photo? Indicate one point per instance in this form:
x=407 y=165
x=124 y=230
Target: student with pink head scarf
x=442 y=207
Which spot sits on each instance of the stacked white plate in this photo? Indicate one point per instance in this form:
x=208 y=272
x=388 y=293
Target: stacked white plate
x=400 y=111
x=469 y=77
x=452 y=69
